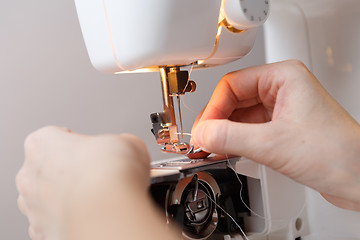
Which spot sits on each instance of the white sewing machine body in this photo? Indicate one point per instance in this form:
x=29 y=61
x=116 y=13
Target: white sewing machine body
x=145 y=35
x=132 y=35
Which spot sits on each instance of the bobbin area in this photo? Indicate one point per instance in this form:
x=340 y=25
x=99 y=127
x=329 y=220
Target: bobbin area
x=201 y=198
x=220 y=198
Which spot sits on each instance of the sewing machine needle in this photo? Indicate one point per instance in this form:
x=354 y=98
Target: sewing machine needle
x=181 y=124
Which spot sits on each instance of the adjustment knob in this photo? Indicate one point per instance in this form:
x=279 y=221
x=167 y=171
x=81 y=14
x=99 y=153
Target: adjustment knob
x=245 y=14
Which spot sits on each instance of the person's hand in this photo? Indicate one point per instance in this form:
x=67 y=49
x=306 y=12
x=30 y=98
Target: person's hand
x=280 y=116
x=86 y=187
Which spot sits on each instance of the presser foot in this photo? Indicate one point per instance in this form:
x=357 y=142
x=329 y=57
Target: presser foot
x=185 y=149
x=180 y=148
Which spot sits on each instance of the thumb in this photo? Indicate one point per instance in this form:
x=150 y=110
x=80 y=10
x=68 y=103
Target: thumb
x=223 y=136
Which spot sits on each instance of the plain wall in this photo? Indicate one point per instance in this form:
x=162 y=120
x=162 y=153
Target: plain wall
x=47 y=79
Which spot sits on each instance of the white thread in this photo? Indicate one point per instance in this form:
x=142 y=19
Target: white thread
x=187 y=107
x=252 y=211
x=188 y=80
x=241 y=188
x=242 y=232
x=191 y=69
x=182 y=99
x=187 y=134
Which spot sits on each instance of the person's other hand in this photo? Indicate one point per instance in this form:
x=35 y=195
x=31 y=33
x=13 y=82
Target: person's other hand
x=74 y=186
x=279 y=115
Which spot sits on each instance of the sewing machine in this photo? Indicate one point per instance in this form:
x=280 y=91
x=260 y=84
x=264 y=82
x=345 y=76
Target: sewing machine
x=203 y=196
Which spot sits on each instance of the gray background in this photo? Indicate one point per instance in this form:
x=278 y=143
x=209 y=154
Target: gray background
x=46 y=78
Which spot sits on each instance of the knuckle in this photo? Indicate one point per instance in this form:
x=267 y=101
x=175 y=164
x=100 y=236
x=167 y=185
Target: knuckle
x=21 y=205
x=30 y=148
x=31 y=233
x=108 y=142
x=36 y=138
x=49 y=128
x=128 y=141
x=122 y=152
x=30 y=141
x=136 y=145
x=47 y=131
x=130 y=137
x=22 y=182
x=124 y=144
x=228 y=77
x=297 y=64
x=134 y=141
x=35 y=232
x=37 y=134
x=33 y=138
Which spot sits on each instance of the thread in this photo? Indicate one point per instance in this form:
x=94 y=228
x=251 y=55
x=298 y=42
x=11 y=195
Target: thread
x=188 y=80
x=241 y=188
x=227 y=214
x=252 y=211
x=187 y=83
x=186 y=134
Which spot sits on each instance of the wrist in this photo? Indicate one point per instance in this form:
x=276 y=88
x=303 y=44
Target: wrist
x=345 y=192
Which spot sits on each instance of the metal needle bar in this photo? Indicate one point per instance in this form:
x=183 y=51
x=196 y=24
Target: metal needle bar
x=180 y=118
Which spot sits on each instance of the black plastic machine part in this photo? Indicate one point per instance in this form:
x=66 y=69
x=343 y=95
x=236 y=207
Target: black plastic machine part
x=229 y=200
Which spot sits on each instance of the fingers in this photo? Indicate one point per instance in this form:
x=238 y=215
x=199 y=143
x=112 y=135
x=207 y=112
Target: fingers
x=249 y=87
x=139 y=157
x=121 y=156
x=32 y=233
x=21 y=205
x=249 y=96
x=195 y=124
x=35 y=234
x=235 y=90
x=139 y=146
x=121 y=147
x=45 y=131
x=43 y=137
x=62 y=143
x=235 y=97
x=241 y=139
